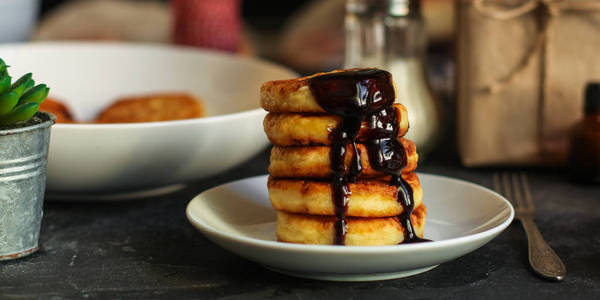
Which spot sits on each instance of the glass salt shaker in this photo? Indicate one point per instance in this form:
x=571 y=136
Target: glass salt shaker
x=390 y=35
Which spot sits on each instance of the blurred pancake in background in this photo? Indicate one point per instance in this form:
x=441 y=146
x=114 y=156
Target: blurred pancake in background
x=57 y=108
x=152 y=108
x=146 y=108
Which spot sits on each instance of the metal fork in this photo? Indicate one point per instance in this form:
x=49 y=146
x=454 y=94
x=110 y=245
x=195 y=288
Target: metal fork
x=542 y=258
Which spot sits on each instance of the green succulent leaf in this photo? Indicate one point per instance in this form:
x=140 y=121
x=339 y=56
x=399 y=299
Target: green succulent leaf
x=4 y=83
x=3 y=67
x=36 y=94
x=20 y=100
x=23 y=84
x=20 y=113
x=7 y=102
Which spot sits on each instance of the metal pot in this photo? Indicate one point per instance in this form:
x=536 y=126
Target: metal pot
x=23 y=159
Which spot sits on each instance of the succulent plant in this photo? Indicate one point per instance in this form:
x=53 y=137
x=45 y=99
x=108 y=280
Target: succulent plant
x=20 y=100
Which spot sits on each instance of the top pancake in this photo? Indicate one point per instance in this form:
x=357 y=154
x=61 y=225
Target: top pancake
x=291 y=95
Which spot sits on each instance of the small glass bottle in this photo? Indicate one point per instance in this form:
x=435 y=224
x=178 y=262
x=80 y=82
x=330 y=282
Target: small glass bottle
x=390 y=35
x=584 y=152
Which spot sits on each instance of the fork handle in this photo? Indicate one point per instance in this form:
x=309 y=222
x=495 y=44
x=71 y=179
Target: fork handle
x=542 y=258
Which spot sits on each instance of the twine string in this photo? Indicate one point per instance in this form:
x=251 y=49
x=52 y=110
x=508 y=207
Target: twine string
x=548 y=10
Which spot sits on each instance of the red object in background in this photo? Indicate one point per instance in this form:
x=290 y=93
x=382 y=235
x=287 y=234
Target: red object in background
x=207 y=23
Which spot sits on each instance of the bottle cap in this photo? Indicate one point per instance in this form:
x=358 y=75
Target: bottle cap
x=592 y=97
x=404 y=8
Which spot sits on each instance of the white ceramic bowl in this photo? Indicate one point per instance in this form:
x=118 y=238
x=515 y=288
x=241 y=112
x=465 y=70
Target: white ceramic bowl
x=99 y=159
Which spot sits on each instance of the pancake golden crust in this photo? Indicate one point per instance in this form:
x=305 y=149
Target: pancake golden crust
x=314 y=161
x=151 y=108
x=309 y=229
x=370 y=198
x=291 y=95
x=294 y=129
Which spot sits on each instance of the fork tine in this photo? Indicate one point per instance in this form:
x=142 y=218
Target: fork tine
x=528 y=198
x=517 y=190
x=506 y=185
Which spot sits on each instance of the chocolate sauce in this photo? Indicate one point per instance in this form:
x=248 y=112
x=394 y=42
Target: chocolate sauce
x=363 y=95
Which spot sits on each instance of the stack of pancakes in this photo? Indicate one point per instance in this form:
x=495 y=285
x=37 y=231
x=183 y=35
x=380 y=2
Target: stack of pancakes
x=300 y=182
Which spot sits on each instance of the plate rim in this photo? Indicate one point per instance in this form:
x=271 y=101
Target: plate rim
x=334 y=249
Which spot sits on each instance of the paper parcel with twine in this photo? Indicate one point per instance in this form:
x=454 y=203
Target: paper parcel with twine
x=522 y=68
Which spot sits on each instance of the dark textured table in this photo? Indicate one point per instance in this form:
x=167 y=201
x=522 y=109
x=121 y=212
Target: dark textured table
x=146 y=249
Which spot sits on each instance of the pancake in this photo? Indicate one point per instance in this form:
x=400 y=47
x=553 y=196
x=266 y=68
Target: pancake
x=58 y=109
x=304 y=134
x=291 y=95
x=370 y=198
x=314 y=161
x=151 y=108
x=308 y=229
x=295 y=129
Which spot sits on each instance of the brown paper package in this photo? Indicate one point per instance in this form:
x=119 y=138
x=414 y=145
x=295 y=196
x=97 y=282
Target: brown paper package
x=522 y=67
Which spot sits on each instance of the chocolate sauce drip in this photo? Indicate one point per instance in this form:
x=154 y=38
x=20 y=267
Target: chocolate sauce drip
x=382 y=124
x=341 y=194
x=363 y=95
x=387 y=155
x=405 y=196
x=340 y=190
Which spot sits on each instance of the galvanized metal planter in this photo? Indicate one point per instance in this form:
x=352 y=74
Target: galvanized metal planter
x=23 y=159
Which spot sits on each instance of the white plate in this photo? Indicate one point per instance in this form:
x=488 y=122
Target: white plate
x=87 y=161
x=461 y=217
